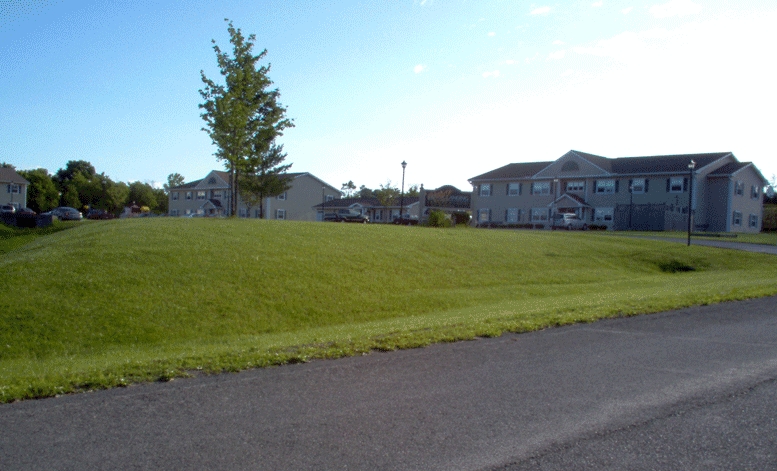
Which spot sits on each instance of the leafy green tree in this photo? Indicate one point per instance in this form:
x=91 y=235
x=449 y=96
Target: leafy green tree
x=173 y=180
x=162 y=202
x=365 y=192
x=72 y=168
x=348 y=189
x=142 y=194
x=264 y=179
x=387 y=194
x=412 y=191
x=243 y=117
x=42 y=194
x=117 y=196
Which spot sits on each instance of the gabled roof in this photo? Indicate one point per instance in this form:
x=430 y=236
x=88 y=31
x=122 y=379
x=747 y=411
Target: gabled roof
x=729 y=169
x=663 y=163
x=9 y=175
x=578 y=200
x=513 y=171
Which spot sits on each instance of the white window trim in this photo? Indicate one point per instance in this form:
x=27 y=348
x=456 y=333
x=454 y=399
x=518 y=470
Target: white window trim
x=201 y=195
x=638 y=188
x=14 y=188
x=739 y=188
x=280 y=214
x=540 y=188
x=482 y=212
x=577 y=185
x=736 y=218
x=604 y=214
x=753 y=222
x=605 y=187
x=512 y=215
x=513 y=189
x=539 y=214
x=485 y=190
x=189 y=195
x=282 y=196
x=174 y=195
x=676 y=182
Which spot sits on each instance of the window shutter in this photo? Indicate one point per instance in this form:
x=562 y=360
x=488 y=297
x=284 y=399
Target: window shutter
x=667 y=185
x=631 y=183
x=594 y=190
x=520 y=187
x=616 y=185
x=531 y=189
x=505 y=215
x=646 y=185
x=685 y=184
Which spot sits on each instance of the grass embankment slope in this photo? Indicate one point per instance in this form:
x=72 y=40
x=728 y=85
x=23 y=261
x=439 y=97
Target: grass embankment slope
x=110 y=303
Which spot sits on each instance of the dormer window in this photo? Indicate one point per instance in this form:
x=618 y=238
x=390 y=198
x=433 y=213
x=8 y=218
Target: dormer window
x=570 y=166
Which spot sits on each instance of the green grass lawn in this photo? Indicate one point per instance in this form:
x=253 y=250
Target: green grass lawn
x=765 y=238
x=110 y=303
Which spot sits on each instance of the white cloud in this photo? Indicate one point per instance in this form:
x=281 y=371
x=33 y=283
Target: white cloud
x=558 y=42
x=491 y=34
x=557 y=55
x=675 y=8
x=540 y=11
x=510 y=62
x=420 y=68
x=494 y=74
x=531 y=59
x=626 y=11
x=597 y=4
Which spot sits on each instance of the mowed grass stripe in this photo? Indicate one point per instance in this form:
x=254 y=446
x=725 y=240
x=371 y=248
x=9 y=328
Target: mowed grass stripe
x=120 y=301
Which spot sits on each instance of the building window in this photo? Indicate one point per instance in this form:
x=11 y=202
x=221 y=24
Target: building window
x=512 y=215
x=378 y=214
x=174 y=195
x=329 y=198
x=200 y=195
x=576 y=186
x=755 y=192
x=188 y=212
x=739 y=188
x=603 y=214
x=605 y=187
x=282 y=196
x=736 y=218
x=484 y=215
x=753 y=221
x=243 y=213
x=676 y=184
x=280 y=214
x=485 y=189
x=539 y=214
x=540 y=188
x=188 y=195
x=174 y=212
x=14 y=188
x=513 y=189
x=638 y=185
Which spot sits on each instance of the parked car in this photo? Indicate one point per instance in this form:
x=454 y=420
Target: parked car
x=26 y=212
x=66 y=213
x=348 y=217
x=568 y=221
x=8 y=208
x=406 y=221
x=99 y=214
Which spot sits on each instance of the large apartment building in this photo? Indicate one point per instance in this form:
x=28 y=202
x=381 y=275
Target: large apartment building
x=641 y=193
x=210 y=197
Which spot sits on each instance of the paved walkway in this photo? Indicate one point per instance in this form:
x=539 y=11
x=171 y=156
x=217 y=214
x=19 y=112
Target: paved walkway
x=723 y=244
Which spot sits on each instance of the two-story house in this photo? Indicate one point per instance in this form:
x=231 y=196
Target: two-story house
x=210 y=197
x=14 y=188
x=640 y=193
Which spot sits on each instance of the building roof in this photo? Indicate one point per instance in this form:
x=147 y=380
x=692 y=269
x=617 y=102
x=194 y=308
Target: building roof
x=512 y=171
x=729 y=169
x=365 y=202
x=9 y=175
x=619 y=166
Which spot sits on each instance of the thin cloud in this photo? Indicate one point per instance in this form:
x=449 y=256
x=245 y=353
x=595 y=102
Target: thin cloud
x=597 y=4
x=420 y=68
x=491 y=34
x=558 y=55
x=493 y=74
x=626 y=11
x=675 y=8
x=510 y=62
x=540 y=11
x=558 y=42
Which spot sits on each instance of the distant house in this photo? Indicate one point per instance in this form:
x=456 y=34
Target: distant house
x=13 y=188
x=370 y=207
x=210 y=197
x=640 y=193
x=447 y=199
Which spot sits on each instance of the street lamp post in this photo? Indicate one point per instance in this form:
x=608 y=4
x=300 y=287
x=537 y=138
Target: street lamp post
x=402 y=194
x=631 y=204
x=691 y=167
x=323 y=203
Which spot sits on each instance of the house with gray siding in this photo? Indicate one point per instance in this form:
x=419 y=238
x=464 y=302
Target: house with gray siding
x=13 y=188
x=210 y=196
x=637 y=193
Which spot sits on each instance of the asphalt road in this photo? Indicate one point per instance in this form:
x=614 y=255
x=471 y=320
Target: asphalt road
x=690 y=389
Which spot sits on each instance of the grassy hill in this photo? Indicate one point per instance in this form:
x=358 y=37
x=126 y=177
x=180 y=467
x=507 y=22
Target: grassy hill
x=114 y=302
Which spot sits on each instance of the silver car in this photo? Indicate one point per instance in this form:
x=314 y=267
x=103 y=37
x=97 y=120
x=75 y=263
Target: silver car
x=568 y=221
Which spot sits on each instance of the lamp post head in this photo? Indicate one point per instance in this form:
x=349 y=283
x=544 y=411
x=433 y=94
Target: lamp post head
x=404 y=164
x=692 y=165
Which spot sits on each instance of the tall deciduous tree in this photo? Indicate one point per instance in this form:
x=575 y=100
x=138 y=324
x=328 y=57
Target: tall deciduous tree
x=243 y=117
x=387 y=195
x=42 y=194
x=173 y=180
x=264 y=178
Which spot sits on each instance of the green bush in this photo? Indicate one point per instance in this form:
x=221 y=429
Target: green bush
x=438 y=218
x=770 y=218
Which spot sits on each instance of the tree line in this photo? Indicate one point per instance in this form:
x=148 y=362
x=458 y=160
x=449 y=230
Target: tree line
x=79 y=186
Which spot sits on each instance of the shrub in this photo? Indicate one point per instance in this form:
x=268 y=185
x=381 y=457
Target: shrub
x=438 y=218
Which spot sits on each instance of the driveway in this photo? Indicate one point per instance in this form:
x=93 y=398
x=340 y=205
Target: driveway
x=688 y=389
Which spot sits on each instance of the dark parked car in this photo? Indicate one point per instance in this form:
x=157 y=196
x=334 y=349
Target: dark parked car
x=348 y=217
x=26 y=212
x=406 y=221
x=66 y=213
x=99 y=214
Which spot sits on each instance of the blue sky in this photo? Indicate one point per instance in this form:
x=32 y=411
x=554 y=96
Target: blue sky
x=455 y=88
